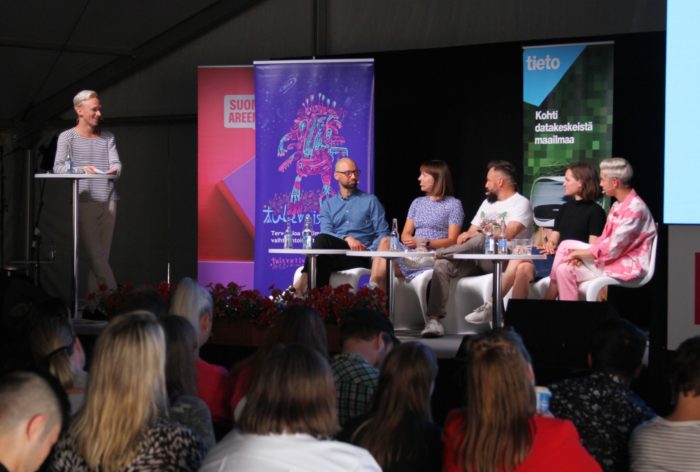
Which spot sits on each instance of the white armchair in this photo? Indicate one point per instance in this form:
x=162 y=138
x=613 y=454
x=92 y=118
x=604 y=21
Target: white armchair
x=466 y=294
x=347 y=276
x=590 y=289
x=411 y=301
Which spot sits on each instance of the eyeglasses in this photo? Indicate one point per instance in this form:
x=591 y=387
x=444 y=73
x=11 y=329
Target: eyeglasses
x=349 y=173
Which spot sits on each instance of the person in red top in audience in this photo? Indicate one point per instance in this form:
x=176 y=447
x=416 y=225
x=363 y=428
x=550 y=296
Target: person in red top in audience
x=499 y=430
x=194 y=302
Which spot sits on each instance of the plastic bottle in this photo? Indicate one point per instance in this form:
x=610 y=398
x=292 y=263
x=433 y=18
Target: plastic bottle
x=288 y=236
x=394 y=235
x=502 y=241
x=307 y=234
x=489 y=242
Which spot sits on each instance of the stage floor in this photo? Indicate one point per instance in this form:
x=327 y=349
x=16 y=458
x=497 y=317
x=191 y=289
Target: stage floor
x=444 y=347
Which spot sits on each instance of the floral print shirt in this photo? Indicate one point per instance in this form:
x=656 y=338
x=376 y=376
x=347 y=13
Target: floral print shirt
x=605 y=411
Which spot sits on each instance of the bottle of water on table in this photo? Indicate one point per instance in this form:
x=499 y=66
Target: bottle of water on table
x=394 y=235
x=502 y=241
x=489 y=239
x=307 y=234
x=288 y=240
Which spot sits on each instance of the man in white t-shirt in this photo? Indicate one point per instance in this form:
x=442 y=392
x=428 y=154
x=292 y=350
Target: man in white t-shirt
x=503 y=202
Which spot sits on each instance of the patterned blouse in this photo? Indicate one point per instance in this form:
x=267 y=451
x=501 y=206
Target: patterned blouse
x=605 y=411
x=166 y=446
x=432 y=219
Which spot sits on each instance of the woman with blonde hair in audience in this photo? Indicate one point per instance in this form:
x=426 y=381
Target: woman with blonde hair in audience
x=194 y=302
x=399 y=430
x=288 y=420
x=499 y=430
x=180 y=379
x=122 y=425
x=57 y=350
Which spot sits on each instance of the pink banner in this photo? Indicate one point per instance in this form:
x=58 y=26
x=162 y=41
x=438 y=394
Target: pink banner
x=226 y=174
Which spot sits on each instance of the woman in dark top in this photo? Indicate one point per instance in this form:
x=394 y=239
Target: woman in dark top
x=181 y=379
x=399 y=431
x=581 y=218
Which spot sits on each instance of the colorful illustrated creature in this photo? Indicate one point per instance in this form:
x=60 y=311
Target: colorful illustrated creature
x=314 y=142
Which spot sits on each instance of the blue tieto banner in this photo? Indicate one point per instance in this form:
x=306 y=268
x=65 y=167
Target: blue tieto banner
x=309 y=114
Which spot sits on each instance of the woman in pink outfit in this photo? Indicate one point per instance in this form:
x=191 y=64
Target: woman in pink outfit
x=623 y=251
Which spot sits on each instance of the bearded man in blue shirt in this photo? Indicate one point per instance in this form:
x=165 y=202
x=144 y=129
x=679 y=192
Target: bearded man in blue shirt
x=351 y=219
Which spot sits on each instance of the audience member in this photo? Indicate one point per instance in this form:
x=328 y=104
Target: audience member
x=16 y=324
x=31 y=417
x=287 y=421
x=57 y=350
x=143 y=299
x=180 y=379
x=499 y=429
x=433 y=221
x=366 y=337
x=671 y=443
x=602 y=405
x=622 y=251
x=297 y=324
x=503 y=204
x=399 y=430
x=194 y=302
x=122 y=424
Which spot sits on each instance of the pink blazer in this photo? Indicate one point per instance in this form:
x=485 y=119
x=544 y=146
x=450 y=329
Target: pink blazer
x=623 y=250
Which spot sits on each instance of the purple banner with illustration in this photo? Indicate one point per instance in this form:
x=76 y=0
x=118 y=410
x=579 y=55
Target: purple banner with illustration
x=309 y=114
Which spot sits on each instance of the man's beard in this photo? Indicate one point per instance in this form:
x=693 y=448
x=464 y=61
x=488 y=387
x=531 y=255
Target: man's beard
x=491 y=197
x=349 y=185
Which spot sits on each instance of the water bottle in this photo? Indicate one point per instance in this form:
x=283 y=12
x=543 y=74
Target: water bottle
x=394 y=235
x=288 y=240
x=307 y=234
x=489 y=242
x=502 y=241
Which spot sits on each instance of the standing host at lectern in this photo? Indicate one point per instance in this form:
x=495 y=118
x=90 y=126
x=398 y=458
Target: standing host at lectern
x=87 y=149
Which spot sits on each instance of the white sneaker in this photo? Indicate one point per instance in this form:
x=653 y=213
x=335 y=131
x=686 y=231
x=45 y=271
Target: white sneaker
x=433 y=329
x=481 y=314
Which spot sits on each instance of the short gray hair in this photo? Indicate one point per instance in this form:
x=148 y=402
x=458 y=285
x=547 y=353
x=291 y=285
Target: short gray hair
x=82 y=96
x=617 y=167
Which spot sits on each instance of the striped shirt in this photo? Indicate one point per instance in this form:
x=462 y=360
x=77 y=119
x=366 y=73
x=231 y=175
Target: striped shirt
x=665 y=445
x=75 y=152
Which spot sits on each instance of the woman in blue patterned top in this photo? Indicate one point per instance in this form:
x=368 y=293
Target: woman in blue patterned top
x=433 y=221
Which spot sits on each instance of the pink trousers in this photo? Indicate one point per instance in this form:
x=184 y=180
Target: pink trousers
x=568 y=276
